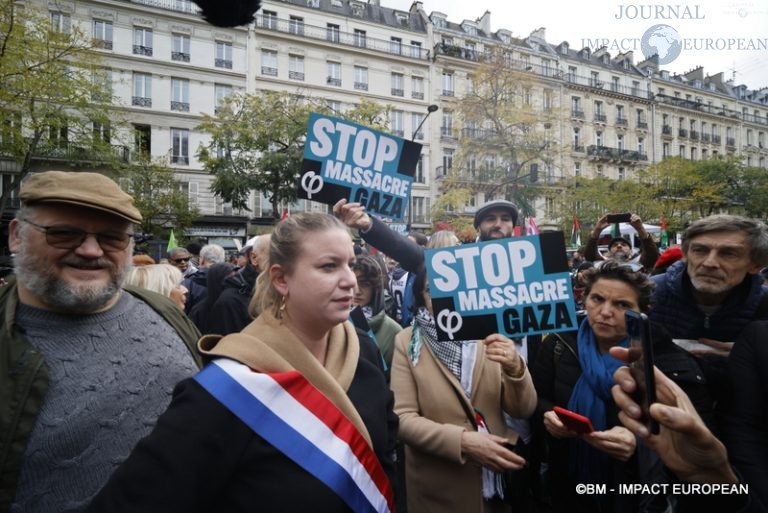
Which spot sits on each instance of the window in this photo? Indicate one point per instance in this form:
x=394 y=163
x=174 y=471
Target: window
x=621 y=174
x=142 y=89
x=269 y=20
x=180 y=94
x=600 y=171
x=446 y=129
x=396 y=45
x=594 y=81
x=599 y=114
x=417 y=88
x=180 y=47
x=102 y=82
x=571 y=76
x=416 y=49
x=641 y=145
x=548 y=100
x=334 y=106
x=180 y=146
x=577 y=140
x=448 y=85
x=296 y=67
x=682 y=151
x=419 y=209
x=396 y=123
x=447 y=160
x=576 y=111
x=665 y=150
x=398 y=86
x=221 y=91
x=58 y=135
x=102 y=34
x=620 y=119
x=599 y=138
x=641 y=122
x=615 y=84
x=620 y=142
x=332 y=33
x=296 y=25
x=361 y=78
x=577 y=169
x=418 y=175
x=416 y=120
x=360 y=38
x=693 y=153
x=142 y=41
x=334 y=73
x=61 y=22
x=101 y=133
x=223 y=55
x=269 y=63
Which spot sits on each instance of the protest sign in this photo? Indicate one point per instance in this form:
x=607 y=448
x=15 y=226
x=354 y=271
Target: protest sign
x=516 y=287
x=347 y=160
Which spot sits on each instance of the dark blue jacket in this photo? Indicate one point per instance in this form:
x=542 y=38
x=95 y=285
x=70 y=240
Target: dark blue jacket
x=675 y=308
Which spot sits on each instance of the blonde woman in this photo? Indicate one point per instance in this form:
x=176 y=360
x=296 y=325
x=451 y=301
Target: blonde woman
x=164 y=279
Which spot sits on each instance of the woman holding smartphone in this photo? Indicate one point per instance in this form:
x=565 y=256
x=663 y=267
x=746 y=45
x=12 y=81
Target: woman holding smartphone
x=574 y=370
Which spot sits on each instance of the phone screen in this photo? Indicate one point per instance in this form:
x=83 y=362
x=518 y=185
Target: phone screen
x=641 y=366
x=619 y=218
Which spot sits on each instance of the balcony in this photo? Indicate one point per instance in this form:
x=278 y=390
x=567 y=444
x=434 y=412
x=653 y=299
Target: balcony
x=600 y=118
x=398 y=92
x=716 y=139
x=180 y=106
x=102 y=44
x=682 y=132
x=333 y=81
x=141 y=101
x=180 y=56
x=576 y=113
x=475 y=133
x=730 y=141
x=182 y=160
x=184 y=6
x=622 y=121
x=223 y=63
x=448 y=92
x=71 y=152
x=340 y=37
x=269 y=71
x=642 y=125
x=361 y=86
x=694 y=135
x=142 y=50
x=296 y=75
x=446 y=131
x=705 y=137
x=578 y=148
x=458 y=52
x=666 y=130
x=615 y=154
x=417 y=95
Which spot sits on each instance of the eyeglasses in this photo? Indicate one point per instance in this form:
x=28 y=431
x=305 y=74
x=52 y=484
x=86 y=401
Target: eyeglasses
x=180 y=260
x=68 y=237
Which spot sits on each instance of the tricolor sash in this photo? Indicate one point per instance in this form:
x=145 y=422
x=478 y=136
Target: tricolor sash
x=297 y=419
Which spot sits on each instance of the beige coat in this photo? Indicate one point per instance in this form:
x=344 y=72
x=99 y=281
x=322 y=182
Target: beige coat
x=428 y=400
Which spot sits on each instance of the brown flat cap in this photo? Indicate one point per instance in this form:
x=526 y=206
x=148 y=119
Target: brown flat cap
x=90 y=190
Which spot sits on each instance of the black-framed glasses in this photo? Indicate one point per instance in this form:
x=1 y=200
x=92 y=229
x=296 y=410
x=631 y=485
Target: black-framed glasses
x=62 y=236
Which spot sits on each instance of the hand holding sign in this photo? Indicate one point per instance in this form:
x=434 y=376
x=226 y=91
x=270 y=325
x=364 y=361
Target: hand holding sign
x=501 y=349
x=352 y=214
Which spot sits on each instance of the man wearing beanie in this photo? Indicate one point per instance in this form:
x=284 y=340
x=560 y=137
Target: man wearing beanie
x=619 y=247
x=85 y=365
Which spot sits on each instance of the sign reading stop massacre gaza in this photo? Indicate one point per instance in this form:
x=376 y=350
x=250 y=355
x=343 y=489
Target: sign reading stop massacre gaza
x=516 y=287
x=347 y=160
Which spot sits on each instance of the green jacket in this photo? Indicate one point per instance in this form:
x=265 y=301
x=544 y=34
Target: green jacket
x=384 y=330
x=24 y=379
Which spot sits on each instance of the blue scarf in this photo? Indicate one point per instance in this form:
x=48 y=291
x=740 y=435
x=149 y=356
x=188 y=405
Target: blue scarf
x=588 y=398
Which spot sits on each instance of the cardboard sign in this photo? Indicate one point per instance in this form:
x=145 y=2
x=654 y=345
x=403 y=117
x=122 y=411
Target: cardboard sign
x=347 y=160
x=516 y=287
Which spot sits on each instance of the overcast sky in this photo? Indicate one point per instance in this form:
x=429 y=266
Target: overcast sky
x=583 y=23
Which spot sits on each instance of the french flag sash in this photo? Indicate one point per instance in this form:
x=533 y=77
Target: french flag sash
x=300 y=421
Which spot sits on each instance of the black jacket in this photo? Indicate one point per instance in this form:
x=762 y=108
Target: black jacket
x=230 y=312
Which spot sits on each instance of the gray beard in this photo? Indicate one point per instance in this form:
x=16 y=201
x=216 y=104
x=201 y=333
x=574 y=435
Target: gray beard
x=60 y=295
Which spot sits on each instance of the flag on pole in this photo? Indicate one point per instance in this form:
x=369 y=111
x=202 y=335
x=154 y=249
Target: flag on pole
x=616 y=230
x=664 y=242
x=285 y=215
x=576 y=233
x=531 y=228
x=171 y=242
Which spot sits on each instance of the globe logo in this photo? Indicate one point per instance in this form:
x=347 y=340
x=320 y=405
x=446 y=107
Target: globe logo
x=661 y=40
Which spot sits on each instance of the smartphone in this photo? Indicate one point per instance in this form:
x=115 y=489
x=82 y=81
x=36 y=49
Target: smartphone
x=573 y=421
x=619 y=218
x=641 y=366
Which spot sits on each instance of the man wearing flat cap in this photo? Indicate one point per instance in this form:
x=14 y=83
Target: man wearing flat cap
x=85 y=365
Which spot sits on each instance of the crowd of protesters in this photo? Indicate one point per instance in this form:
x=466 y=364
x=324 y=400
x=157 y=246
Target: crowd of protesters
x=307 y=375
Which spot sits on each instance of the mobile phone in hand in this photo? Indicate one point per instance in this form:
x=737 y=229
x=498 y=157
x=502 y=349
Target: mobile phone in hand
x=619 y=218
x=573 y=421
x=641 y=366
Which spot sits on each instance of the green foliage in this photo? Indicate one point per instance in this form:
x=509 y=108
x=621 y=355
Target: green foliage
x=50 y=94
x=257 y=144
x=158 y=196
x=679 y=189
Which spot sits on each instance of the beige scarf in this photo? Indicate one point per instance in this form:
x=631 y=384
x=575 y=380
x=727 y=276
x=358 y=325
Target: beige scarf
x=267 y=345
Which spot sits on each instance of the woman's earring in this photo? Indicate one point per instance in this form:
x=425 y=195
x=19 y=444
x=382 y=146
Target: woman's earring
x=282 y=303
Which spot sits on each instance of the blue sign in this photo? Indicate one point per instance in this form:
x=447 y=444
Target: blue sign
x=518 y=286
x=347 y=160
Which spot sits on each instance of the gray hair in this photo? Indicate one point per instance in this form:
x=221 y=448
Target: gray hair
x=757 y=233
x=213 y=254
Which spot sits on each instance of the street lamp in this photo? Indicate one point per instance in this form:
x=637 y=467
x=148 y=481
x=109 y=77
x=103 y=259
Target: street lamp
x=430 y=109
